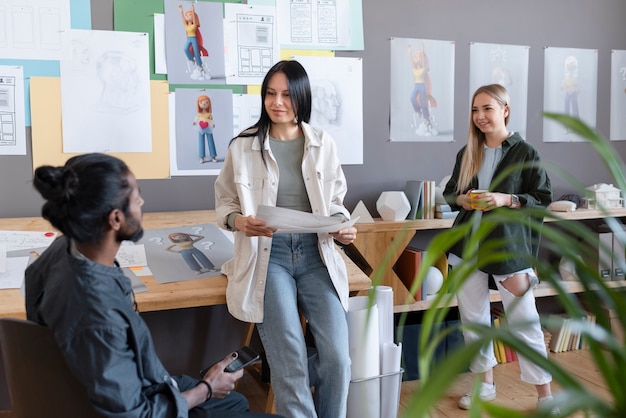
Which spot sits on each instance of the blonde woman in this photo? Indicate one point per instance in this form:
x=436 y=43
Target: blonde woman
x=490 y=149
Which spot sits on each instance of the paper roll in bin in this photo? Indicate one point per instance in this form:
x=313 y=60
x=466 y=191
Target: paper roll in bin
x=388 y=386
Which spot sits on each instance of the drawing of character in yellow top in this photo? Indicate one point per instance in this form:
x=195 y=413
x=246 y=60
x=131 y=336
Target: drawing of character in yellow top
x=204 y=120
x=195 y=259
x=194 y=49
x=421 y=96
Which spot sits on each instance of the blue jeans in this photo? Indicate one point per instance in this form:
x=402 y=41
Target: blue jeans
x=193 y=42
x=208 y=133
x=297 y=279
x=420 y=106
x=193 y=256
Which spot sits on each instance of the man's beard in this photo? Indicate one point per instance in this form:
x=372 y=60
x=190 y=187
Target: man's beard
x=133 y=232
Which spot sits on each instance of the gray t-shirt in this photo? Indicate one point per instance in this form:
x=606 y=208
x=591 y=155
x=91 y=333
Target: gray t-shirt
x=291 y=190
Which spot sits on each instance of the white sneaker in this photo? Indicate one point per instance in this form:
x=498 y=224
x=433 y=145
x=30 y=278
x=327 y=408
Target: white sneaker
x=486 y=392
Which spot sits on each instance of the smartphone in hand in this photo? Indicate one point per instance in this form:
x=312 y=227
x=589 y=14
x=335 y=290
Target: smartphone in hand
x=245 y=357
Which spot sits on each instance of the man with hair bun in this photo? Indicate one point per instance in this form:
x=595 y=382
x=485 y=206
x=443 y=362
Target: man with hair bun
x=77 y=289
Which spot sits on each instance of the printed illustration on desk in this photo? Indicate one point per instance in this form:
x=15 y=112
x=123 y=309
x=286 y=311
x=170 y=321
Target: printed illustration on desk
x=187 y=252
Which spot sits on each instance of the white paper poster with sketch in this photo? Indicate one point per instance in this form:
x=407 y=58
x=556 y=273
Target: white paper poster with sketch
x=570 y=88
x=421 y=90
x=506 y=65
x=337 y=102
x=105 y=92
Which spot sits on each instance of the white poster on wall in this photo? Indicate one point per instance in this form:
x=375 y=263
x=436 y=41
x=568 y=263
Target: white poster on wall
x=105 y=92
x=618 y=95
x=422 y=90
x=570 y=88
x=506 y=65
x=12 y=111
x=337 y=102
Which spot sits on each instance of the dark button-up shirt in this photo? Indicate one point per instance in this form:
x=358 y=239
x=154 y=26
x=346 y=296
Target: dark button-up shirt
x=530 y=183
x=89 y=308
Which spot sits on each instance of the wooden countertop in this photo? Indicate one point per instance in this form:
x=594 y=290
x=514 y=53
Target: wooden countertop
x=186 y=294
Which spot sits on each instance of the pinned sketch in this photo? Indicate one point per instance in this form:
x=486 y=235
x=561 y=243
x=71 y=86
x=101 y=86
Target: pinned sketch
x=506 y=65
x=32 y=29
x=12 y=111
x=337 y=102
x=194 y=42
x=251 y=39
x=105 y=92
x=316 y=24
x=618 y=95
x=201 y=122
x=186 y=253
x=571 y=88
x=160 y=62
x=422 y=90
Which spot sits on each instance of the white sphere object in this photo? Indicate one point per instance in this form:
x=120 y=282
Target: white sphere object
x=433 y=281
x=393 y=206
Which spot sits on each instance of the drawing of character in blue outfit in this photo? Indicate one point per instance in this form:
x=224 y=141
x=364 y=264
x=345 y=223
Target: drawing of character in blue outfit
x=204 y=121
x=195 y=259
x=194 y=49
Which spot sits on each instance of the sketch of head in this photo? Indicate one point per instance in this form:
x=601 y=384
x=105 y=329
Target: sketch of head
x=118 y=74
x=326 y=102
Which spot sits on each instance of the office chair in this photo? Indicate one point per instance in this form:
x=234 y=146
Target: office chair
x=40 y=382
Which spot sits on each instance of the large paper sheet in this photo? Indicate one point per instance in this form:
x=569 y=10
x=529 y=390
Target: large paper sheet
x=286 y=221
x=390 y=384
x=364 y=395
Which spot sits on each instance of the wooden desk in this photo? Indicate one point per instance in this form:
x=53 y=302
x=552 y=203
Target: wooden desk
x=187 y=294
x=381 y=243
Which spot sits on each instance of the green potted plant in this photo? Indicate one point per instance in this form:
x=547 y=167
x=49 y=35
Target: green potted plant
x=570 y=240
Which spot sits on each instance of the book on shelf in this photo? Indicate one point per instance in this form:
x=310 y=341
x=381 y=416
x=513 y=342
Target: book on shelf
x=446 y=215
x=442 y=207
x=414 y=191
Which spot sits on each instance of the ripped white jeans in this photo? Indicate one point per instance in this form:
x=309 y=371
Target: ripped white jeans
x=474 y=307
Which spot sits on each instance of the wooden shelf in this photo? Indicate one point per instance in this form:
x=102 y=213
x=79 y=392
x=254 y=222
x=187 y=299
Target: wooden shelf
x=543 y=290
x=381 y=243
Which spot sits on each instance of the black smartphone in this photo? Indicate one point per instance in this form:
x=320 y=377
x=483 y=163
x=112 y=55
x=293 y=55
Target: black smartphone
x=245 y=357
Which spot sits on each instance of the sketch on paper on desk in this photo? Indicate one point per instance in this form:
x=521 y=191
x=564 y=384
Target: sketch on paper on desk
x=186 y=252
x=13 y=277
x=26 y=240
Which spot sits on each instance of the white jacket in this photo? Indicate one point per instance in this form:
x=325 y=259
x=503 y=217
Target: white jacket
x=244 y=183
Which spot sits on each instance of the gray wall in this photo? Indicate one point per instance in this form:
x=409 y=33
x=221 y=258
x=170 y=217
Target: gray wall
x=597 y=24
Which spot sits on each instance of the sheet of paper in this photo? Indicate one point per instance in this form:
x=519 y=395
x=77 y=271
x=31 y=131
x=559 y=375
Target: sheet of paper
x=12 y=116
x=3 y=257
x=24 y=240
x=132 y=255
x=13 y=277
x=114 y=67
x=288 y=221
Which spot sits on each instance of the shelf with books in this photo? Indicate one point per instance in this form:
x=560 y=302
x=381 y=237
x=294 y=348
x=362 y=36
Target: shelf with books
x=381 y=244
x=543 y=290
